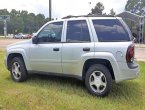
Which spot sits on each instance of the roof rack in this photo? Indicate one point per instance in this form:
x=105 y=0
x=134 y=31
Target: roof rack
x=71 y=16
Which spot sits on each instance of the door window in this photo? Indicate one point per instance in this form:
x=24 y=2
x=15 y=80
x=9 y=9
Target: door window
x=77 y=31
x=51 y=33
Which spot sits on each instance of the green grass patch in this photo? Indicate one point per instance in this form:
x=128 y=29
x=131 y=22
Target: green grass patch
x=2 y=37
x=55 y=93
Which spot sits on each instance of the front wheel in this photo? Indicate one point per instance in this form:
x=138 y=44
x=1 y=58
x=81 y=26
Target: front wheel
x=98 y=80
x=18 y=70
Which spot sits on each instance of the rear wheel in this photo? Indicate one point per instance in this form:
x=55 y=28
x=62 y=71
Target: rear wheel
x=98 y=80
x=18 y=70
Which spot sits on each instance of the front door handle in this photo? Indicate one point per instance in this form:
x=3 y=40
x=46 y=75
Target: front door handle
x=86 y=49
x=55 y=49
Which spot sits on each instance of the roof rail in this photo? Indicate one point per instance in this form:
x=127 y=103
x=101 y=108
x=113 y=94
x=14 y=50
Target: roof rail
x=71 y=16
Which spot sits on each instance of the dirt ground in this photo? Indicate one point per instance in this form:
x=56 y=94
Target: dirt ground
x=5 y=42
x=139 y=51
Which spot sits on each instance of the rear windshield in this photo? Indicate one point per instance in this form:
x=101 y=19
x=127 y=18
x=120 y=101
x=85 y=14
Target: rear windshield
x=110 y=30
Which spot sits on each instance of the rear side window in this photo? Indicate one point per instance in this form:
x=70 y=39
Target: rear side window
x=110 y=30
x=77 y=31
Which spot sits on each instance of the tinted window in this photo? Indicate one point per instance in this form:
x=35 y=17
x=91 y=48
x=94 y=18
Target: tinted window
x=51 y=33
x=77 y=31
x=110 y=30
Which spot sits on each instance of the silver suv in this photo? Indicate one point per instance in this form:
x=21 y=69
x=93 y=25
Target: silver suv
x=96 y=50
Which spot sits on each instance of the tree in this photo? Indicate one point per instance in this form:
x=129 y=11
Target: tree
x=136 y=6
x=40 y=18
x=22 y=21
x=2 y=12
x=112 y=12
x=14 y=12
x=98 y=9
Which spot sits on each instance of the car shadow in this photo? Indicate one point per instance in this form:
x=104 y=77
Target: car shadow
x=56 y=79
x=129 y=90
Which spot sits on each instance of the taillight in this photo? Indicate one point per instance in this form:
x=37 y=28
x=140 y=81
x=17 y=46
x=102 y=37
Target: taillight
x=130 y=54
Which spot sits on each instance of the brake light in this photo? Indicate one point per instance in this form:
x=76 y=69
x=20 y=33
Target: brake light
x=130 y=54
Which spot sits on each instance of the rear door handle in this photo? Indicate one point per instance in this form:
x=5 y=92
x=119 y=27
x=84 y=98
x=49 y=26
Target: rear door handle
x=55 y=49
x=86 y=49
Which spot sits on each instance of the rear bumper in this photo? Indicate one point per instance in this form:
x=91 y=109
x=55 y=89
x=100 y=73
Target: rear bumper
x=126 y=73
x=130 y=74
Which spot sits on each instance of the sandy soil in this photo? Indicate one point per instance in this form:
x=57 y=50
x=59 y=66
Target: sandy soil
x=5 y=42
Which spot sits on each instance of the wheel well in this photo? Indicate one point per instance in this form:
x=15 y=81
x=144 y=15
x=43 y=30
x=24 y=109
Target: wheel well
x=11 y=56
x=105 y=62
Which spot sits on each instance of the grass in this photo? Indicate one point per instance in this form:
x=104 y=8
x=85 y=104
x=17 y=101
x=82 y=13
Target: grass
x=55 y=93
x=2 y=37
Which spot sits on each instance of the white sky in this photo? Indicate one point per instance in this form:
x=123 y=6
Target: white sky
x=62 y=8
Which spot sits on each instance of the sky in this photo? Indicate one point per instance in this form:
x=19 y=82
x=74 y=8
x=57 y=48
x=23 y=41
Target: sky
x=61 y=8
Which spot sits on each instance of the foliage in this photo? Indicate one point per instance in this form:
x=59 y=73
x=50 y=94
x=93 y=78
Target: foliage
x=22 y=21
x=136 y=6
x=98 y=9
x=112 y=12
x=56 y=93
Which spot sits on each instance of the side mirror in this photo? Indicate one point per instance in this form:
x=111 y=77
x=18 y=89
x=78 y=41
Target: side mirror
x=35 y=40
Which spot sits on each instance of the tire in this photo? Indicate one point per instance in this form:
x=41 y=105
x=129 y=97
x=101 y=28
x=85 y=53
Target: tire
x=18 y=70
x=98 y=80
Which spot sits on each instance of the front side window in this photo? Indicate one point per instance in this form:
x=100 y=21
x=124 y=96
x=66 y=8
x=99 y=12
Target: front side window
x=110 y=30
x=51 y=33
x=77 y=31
